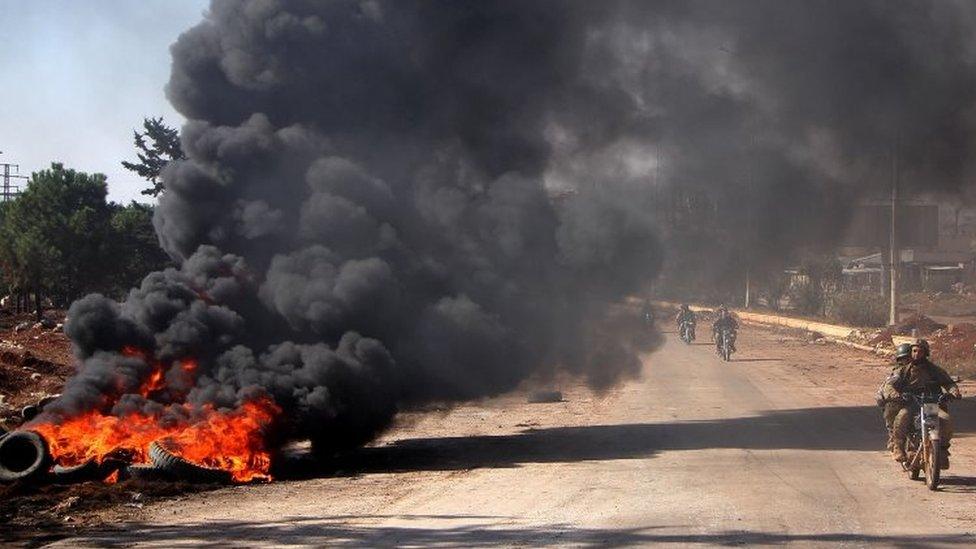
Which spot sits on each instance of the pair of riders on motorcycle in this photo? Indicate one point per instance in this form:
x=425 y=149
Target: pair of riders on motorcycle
x=685 y=316
x=914 y=373
x=724 y=321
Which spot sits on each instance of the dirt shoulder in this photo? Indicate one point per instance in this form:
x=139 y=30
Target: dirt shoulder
x=35 y=361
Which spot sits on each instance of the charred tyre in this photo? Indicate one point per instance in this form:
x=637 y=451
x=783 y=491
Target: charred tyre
x=90 y=470
x=145 y=471
x=23 y=455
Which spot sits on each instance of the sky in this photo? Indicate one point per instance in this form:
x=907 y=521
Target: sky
x=76 y=77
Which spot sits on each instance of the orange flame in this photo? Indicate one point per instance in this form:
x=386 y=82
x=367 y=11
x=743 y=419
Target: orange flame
x=153 y=384
x=230 y=440
x=189 y=365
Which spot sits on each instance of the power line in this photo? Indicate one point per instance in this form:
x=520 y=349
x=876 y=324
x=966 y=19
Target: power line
x=10 y=171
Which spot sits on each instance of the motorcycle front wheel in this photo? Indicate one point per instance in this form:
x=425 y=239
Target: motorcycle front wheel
x=932 y=471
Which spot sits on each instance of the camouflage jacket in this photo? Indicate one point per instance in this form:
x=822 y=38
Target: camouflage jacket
x=725 y=323
x=684 y=316
x=887 y=392
x=923 y=376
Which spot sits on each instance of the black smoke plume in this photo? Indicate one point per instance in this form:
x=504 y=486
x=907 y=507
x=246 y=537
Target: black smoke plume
x=391 y=203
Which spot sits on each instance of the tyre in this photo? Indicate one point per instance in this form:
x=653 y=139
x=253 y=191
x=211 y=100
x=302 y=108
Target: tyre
x=932 y=471
x=145 y=471
x=182 y=469
x=29 y=412
x=90 y=470
x=75 y=473
x=23 y=455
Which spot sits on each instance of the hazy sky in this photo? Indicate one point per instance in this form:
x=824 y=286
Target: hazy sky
x=77 y=76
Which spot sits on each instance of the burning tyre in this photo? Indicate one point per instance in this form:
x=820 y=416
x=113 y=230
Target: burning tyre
x=148 y=472
x=23 y=455
x=90 y=470
x=181 y=469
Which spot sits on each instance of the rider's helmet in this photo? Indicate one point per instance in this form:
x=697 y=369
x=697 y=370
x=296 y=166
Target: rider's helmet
x=903 y=352
x=924 y=347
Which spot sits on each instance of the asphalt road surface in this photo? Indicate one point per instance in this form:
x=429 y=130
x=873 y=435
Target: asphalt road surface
x=781 y=446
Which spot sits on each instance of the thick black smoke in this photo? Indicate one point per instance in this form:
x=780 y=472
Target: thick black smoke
x=363 y=222
x=388 y=203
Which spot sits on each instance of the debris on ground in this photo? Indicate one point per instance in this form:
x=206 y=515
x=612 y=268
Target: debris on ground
x=35 y=513
x=954 y=347
x=917 y=325
x=34 y=363
x=540 y=397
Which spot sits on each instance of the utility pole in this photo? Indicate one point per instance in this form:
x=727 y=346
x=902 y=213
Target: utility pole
x=893 y=243
x=751 y=222
x=747 y=287
x=10 y=171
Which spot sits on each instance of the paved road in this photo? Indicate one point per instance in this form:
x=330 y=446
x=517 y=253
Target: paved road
x=763 y=450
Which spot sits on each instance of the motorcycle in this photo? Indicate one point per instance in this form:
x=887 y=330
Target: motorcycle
x=923 y=446
x=647 y=318
x=686 y=331
x=726 y=340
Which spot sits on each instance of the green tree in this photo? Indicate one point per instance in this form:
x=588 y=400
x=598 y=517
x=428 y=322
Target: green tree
x=158 y=145
x=134 y=248
x=58 y=230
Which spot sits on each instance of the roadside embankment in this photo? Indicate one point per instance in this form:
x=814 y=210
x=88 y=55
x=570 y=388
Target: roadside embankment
x=834 y=333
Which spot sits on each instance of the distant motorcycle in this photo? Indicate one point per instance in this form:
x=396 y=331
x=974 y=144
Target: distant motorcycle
x=726 y=342
x=686 y=331
x=924 y=444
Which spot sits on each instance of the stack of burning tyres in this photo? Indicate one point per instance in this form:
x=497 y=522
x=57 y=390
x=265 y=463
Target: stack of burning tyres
x=212 y=446
x=26 y=456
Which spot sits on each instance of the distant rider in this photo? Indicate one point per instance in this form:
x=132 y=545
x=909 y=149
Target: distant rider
x=921 y=376
x=725 y=321
x=888 y=397
x=685 y=315
x=647 y=313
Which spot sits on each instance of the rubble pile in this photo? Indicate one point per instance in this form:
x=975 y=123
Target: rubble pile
x=955 y=347
x=917 y=325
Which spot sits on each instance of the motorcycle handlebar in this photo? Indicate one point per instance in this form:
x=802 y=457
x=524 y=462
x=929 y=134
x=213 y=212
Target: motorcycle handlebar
x=912 y=397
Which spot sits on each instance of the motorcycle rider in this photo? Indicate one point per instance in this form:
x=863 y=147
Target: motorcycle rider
x=685 y=315
x=921 y=375
x=725 y=321
x=647 y=313
x=887 y=397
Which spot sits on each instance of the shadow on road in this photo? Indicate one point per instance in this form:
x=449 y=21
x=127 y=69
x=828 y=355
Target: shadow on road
x=827 y=428
x=957 y=485
x=307 y=531
x=849 y=428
